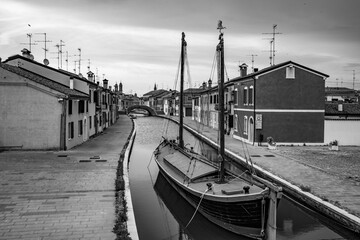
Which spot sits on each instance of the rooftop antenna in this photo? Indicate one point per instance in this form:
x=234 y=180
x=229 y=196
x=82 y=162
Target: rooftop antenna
x=58 y=54
x=88 y=65
x=79 y=61
x=60 y=51
x=252 y=61
x=272 y=44
x=353 y=78
x=29 y=35
x=79 y=49
x=46 y=61
x=67 y=61
x=75 y=66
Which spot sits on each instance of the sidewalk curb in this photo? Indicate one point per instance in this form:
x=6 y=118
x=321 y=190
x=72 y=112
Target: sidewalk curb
x=131 y=223
x=327 y=209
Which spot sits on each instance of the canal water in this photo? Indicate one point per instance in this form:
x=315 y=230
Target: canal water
x=161 y=213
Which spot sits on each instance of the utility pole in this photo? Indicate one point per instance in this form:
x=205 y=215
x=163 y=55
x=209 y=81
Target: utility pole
x=272 y=44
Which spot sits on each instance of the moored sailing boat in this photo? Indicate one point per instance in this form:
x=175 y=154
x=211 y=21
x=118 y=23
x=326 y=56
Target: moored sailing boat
x=242 y=204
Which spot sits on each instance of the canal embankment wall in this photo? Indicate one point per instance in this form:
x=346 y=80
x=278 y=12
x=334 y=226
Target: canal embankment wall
x=292 y=189
x=123 y=186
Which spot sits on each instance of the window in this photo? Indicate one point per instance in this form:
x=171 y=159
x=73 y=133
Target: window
x=251 y=95
x=236 y=123
x=96 y=98
x=235 y=96
x=290 y=72
x=71 y=130
x=245 y=97
x=211 y=97
x=245 y=125
x=81 y=106
x=80 y=127
x=87 y=106
x=90 y=122
x=70 y=107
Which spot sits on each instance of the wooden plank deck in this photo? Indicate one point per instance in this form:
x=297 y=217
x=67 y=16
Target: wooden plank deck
x=191 y=168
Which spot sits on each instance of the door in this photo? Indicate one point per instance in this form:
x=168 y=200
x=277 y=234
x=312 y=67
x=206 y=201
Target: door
x=85 y=130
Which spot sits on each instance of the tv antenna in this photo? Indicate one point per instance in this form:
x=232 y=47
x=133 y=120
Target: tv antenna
x=353 y=77
x=29 y=35
x=272 y=44
x=88 y=65
x=67 y=61
x=46 y=61
x=252 y=61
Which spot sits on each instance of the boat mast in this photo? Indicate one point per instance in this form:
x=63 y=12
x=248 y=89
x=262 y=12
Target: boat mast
x=220 y=56
x=181 y=114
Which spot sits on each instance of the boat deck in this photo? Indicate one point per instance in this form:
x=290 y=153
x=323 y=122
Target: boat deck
x=195 y=174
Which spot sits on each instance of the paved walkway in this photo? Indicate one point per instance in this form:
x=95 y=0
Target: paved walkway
x=62 y=195
x=344 y=193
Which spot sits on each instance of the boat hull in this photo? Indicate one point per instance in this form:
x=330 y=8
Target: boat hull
x=243 y=214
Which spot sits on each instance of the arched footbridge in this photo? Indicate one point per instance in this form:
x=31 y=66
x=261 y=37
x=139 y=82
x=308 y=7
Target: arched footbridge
x=151 y=111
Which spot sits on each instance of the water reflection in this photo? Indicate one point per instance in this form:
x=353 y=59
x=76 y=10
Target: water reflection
x=182 y=211
x=161 y=213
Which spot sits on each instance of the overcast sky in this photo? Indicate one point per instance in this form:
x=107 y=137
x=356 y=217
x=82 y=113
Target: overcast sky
x=137 y=42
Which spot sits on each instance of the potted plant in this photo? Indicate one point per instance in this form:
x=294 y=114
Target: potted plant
x=271 y=143
x=334 y=145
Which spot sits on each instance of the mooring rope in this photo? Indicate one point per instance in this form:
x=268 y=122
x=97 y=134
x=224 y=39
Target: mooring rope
x=197 y=208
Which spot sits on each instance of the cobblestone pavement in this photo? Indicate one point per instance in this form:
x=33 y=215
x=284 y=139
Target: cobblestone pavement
x=62 y=195
x=332 y=176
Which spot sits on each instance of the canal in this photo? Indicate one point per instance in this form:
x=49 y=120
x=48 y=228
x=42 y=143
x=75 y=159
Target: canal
x=161 y=213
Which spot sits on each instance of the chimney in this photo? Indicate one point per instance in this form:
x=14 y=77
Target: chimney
x=110 y=88
x=26 y=53
x=204 y=85
x=243 y=70
x=91 y=76
x=105 y=83
x=71 y=83
x=209 y=83
x=340 y=107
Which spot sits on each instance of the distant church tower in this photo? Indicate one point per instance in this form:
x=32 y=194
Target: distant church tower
x=121 y=87
x=155 y=87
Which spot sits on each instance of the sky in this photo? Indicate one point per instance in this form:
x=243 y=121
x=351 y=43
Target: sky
x=137 y=42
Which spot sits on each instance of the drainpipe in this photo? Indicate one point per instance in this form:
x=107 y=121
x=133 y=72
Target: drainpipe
x=63 y=102
x=254 y=112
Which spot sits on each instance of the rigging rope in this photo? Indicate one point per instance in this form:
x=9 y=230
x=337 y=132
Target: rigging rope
x=187 y=67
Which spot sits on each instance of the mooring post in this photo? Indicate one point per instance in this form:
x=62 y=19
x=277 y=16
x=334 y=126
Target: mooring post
x=271 y=222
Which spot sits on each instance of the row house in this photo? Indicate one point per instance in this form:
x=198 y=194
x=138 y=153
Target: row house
x=205 y=106
x=154 y=99
x=80 y=117
x=284 y=101
x=341 y=94
x=170 y=103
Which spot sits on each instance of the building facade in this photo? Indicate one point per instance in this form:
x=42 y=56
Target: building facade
x=284 y=101
x=82 y=117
